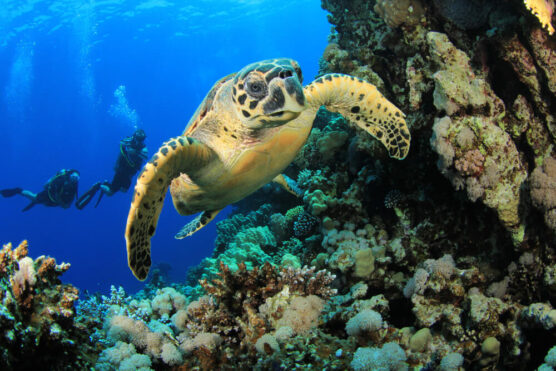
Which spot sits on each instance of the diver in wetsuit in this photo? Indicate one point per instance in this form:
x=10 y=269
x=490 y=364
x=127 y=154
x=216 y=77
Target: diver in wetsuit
x=133 y=153
x=60 y=190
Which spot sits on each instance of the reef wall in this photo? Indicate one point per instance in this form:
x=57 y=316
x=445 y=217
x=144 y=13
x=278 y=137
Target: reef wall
x=445 y=260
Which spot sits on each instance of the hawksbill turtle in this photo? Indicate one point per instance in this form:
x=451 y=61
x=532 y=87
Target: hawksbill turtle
x=247 y=130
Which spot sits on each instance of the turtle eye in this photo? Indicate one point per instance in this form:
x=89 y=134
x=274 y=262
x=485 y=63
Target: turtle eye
x=256 y=89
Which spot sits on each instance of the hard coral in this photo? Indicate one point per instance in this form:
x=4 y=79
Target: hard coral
x=543 y=190
x=396 y=13
x=39 y=321
x=458 y=88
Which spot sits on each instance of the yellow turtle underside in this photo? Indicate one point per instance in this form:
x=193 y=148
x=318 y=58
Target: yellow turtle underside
x=252 y=167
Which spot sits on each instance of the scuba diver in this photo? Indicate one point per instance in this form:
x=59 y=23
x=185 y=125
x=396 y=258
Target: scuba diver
x=60 y=190
x=133 y=153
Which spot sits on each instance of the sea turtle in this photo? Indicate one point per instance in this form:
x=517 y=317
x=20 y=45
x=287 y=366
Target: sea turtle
x=246 y=131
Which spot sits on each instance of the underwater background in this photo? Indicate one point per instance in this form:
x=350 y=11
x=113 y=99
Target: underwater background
x=61 y=68
x=444 y=259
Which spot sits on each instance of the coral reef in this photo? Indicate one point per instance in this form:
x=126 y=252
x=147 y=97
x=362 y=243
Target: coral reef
x=445 y=260
x=477 y=82
x=38 y=319
x=244 y=315
x=543 y=190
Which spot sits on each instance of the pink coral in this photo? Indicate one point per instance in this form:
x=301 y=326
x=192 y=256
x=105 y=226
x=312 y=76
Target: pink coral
x=471 y=163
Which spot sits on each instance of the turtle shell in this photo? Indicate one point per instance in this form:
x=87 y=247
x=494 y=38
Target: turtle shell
x=206 y=105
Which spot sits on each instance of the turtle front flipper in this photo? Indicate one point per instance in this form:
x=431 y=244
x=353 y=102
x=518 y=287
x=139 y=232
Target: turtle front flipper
x=178 y=155
x=199 y=222
x=362 y=104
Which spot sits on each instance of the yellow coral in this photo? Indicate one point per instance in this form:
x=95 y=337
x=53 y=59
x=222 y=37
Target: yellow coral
x=542 y=9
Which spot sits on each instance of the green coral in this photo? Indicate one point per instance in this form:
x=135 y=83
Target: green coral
x=246 y=247
x=293 y=213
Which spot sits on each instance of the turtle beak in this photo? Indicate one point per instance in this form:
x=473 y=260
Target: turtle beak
x=285 y=96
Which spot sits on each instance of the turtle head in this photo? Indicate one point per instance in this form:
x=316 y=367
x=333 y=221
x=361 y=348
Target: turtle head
x=268 y=93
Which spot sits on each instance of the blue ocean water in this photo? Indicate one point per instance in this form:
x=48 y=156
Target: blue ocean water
x=78 y=76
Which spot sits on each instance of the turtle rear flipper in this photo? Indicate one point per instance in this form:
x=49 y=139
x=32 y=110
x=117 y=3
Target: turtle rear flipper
x=178 y=155
x=199 y=222
x=362 y=104
x=288 y=184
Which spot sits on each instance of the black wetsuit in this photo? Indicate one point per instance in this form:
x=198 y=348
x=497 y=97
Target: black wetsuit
x=60 y=190
x=129 y=162
x=133 y=154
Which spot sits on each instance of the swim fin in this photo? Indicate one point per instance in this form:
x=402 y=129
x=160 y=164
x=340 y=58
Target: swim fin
x=87 y=196
x=31 y=204
x=99 y=198
x=10 y=192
